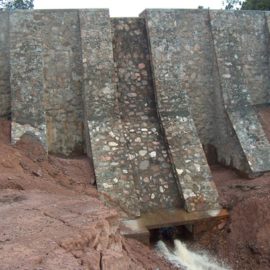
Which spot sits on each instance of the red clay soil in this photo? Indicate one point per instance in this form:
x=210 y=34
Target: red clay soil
x=243 y=242
x=51 y=217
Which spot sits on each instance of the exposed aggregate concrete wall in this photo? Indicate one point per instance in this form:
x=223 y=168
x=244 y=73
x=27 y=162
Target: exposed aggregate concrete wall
x=173 y=105
x=62 y=75
x=199 y=76
x=26 y=78
x=5 y=98
x=152 y=172
x=46 y=75
x=104 y=131
x=144 y=95
x=243 y=69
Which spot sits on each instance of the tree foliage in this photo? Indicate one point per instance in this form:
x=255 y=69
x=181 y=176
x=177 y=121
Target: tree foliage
x=247 y=4
x=232 y=4
x=17 y=4
x=256 y=4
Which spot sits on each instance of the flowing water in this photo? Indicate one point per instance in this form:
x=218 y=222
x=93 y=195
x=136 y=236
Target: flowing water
x=186 y=259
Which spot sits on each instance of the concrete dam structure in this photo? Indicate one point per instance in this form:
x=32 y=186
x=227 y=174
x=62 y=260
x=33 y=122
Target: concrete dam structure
x=151 y=100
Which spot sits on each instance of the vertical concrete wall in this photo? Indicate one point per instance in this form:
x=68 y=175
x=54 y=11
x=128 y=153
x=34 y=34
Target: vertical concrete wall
x=152 y=170
x=26 y=76
x=197 y=69
x=5 y=99
x=199 y=77
x=104 y=131
x=145 y=95
x=62 y=77
x=240 y=40
x=46 y=78
x=267 y=43
x=173 y=105
x=190 y=38
x=255 y=56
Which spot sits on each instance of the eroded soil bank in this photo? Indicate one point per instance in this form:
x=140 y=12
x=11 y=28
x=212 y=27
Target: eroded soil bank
x=243 y=242
x=51 y=217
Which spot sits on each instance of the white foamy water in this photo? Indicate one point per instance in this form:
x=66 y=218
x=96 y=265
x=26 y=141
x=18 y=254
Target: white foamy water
x=187 y=259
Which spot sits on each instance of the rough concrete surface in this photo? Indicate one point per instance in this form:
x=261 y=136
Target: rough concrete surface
x=150 y=99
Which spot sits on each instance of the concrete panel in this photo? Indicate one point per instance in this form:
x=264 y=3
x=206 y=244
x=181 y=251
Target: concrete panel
x=105 y=140
x=186 y=153
x=5 y=98
x=62 y=81
x=46 y=79
x=152 y=170
x=26 y=77
x=232 y=31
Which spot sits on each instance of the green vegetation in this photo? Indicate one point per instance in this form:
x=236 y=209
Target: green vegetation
x=248 y=4
x=17 y=4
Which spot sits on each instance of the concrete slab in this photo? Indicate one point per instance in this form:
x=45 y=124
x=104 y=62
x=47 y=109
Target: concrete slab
x=139 y=228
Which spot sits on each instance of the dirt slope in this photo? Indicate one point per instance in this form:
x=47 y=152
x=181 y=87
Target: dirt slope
x=244 y=241
x=51 y=218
